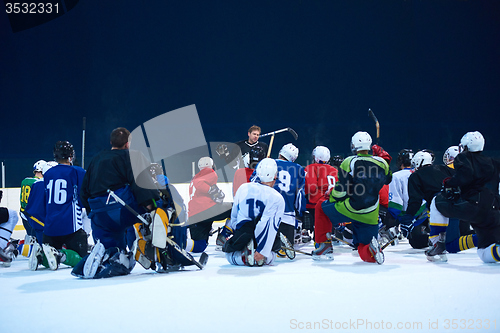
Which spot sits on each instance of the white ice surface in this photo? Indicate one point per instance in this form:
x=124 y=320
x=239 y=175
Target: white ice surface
x=302 y=295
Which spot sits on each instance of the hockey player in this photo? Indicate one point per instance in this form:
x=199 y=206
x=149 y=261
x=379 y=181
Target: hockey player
x=241 y=176
x=471 y=194
x=320 y=179
x=205 y=205
x=8 y=220
x=255 y=218
x=290 y=184
x=25 y=193
x=112 y=170
x=355 y=199
x=61 y=213
x=244 y=147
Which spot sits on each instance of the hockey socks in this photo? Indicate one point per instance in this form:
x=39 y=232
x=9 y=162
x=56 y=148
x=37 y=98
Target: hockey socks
x=491 y=254
x=462 y=243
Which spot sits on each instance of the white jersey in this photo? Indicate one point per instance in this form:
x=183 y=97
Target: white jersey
x=253 y=201
x=398 y=192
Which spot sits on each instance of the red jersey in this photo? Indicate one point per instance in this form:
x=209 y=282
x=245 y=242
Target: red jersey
x=318 y=178
x=199 y=199
x=384 y=196
x=241 y=176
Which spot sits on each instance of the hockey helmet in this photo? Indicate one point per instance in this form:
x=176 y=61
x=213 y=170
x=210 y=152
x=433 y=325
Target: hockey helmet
x=472 y=141
x=48 y=165
x=336 y=160
x=289 y=152
x=361 y=141
x=205 y=162
x=404 y=158
x=450 y=154
x=38 y=166
x=321 y=154
x=63 y=150
x=421 y=158
x=266 y=170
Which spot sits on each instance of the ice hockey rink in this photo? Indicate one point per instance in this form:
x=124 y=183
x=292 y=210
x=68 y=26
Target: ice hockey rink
x=405 y=294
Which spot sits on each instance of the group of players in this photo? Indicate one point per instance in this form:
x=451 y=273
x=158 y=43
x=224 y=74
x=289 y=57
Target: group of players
x=277 y=204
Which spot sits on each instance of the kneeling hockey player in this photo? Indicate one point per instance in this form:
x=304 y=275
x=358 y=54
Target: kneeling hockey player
x=255 y=218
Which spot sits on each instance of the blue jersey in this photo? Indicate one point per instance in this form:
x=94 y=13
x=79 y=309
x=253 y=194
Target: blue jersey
x=63 y=209
x=290 y=184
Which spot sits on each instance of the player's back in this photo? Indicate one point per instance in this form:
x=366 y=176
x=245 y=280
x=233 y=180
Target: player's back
x=319 y=178
x=62 y=198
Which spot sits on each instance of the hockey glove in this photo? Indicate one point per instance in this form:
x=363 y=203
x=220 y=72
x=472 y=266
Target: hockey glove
x=379 y=151
x=216 y=194
x=222 y=150
x=406 y=224
x=450 y=193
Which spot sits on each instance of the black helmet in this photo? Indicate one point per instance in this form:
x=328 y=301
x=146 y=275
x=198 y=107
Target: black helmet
x=63 y=150
x=336 y=160
x=404 y=157
x=255 y=155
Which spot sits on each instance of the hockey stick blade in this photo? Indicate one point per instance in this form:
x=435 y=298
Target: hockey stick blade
x=331 y=237
x=288 y=129
x=295 y=250
x=143 y=220
x=295 y=135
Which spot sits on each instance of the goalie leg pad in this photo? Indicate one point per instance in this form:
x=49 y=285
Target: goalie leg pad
x=160 y=229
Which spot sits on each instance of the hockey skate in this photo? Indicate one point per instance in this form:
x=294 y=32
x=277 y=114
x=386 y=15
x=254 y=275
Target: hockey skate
x=35 y=257
x=249 y=254
x=437 y=251
x=93 y=261
x=53 y=256
x=5 y=258
x=388 y=236
x=287 y=247
x=324 y=251
x=376 y=252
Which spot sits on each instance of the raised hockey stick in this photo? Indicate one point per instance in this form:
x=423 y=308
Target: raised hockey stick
x=204 y=256
x=377 y=124
x=288 y=129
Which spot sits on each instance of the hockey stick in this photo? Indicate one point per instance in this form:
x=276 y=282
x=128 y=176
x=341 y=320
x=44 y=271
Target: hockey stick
x=295 y=250
x=377 y=124
x=332 y=237
x=270 y=146
x=288 y=129
x=169 y=241
x=388 y=243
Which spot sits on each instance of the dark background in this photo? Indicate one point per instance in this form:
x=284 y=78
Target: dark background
x=430 y=70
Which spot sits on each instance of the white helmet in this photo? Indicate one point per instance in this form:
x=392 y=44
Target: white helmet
x=473 y=141
x=361 y=141
x=421 y=159
x=48 y=165
x=266 y=170
x=205 y=162
x=38 y=166
x=321 y=154
x=290 y=152
x=450 y=154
